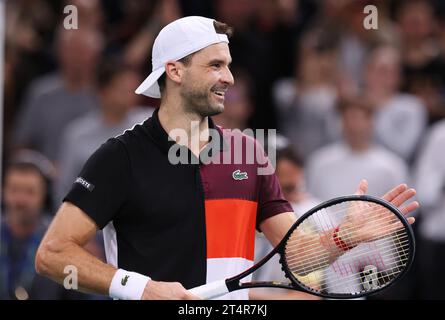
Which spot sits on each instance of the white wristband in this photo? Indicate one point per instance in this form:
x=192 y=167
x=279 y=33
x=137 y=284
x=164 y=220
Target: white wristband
x=128 y=285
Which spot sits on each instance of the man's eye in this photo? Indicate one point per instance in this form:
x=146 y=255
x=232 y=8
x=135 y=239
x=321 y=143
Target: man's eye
x=216 y=65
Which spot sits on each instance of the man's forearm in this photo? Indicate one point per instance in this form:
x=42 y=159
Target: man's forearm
x=314 y=251
x=93 y=275
x=322 y=247
x=62 y=247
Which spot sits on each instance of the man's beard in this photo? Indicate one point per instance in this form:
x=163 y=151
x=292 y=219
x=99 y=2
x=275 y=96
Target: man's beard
x=198 y=100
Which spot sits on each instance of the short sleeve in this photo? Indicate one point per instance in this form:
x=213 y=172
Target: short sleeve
x=101 y=188
x=271 y=199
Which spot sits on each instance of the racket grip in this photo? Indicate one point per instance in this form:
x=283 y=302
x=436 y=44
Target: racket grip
x=211 y=290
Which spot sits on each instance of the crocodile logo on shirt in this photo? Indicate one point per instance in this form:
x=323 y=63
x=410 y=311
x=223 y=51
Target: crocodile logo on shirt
x=124 y=280
x=238 y=175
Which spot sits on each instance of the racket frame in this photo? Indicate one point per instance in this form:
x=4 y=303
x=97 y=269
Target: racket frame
x=234 y=283
x=332 y=202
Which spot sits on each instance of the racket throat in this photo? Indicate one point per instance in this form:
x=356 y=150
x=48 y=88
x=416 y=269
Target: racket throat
x=233 y=285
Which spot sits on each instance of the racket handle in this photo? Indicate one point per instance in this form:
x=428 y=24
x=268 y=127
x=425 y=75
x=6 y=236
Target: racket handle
x=211 y=290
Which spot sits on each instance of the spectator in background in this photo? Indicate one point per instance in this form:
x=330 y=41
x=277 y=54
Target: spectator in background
x=289 y=171
x=55 y=100
x=26 y=205
x=430 y=181
x=124 y=19
x=280 y=24
x=344 y=20
x=333 y=170
x=306 y=103
x=90 y=14
x=116 y=112
x=23 y=225
x=422 y=55
x=139 y=47
x=29 y=26
x=400 y=119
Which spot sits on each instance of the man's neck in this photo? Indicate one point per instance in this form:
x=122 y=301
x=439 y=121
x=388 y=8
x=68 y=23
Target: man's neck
x=111 y=117
x=359 y=147
x=196 y=128
x=77 y=82
x=378 y=95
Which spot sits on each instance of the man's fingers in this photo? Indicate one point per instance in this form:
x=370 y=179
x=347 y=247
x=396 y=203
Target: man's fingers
x=393 y=193
x=403 y=197
x=410 y=207
x=190 y=296
x=411 y=220
x=362 y=188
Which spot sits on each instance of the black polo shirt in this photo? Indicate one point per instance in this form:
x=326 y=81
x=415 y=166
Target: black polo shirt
x=190 y=223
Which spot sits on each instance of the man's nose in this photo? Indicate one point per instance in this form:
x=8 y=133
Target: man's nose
x=227 y=77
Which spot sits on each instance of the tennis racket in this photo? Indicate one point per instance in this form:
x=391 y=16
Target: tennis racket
x=347 y=247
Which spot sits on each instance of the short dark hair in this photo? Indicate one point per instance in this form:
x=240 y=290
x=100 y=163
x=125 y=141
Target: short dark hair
x=108 y=69
x=220 y=27
x=358 y=103
x=287 y=153
x=30 y=161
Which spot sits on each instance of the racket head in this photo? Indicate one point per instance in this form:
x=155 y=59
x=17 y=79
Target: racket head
x=368 y=268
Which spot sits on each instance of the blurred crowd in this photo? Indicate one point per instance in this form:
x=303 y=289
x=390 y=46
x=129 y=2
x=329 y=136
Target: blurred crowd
x=348 y=103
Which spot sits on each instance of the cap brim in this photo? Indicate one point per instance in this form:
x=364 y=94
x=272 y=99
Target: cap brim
x=150 y=85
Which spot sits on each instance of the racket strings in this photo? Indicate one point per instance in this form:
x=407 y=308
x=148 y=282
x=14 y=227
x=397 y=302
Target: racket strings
x=392 y=267
x=331 y=226
x=352 y=284
x=392 y=252
x=334 y=285
x=387 y=255
x=295 y=242
x=310 y=261
x=383 y=277
x=310 y=252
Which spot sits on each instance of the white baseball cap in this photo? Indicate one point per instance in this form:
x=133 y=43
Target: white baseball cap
x=175 y=41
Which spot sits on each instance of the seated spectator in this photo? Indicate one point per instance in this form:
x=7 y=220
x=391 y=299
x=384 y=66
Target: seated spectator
x=334 y=170
x=25 y=220
x=306 y=103
x=55 y=100
x=422 y=51
x=117 y=112
x=430 y=183
x=400 y=119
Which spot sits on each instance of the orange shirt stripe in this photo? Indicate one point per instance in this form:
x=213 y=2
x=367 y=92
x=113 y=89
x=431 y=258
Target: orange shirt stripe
x=230 y=228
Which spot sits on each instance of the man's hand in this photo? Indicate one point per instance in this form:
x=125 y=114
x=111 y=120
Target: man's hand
x=365 y=222
x=156 y=290
x=397 y=196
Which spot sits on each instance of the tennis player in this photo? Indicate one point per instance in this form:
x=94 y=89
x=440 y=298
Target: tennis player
x=171 y=226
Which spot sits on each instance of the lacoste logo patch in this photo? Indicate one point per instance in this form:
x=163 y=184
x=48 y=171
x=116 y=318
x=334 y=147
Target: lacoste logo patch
x=124 y=280
x=84 y=183
x=238 y=175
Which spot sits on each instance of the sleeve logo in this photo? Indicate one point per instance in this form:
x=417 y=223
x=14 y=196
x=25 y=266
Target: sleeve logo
x=84 y=183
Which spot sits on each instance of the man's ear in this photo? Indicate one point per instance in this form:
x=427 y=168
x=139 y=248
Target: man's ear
x=173 y=70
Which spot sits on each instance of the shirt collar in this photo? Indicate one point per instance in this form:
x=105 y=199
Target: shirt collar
x=161 y=137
